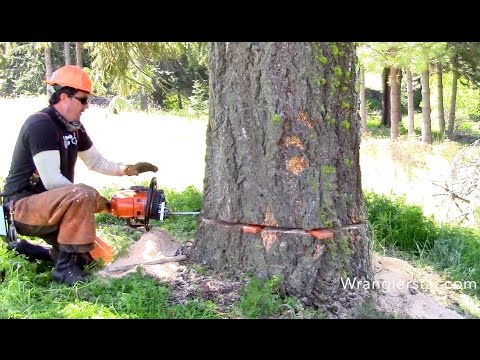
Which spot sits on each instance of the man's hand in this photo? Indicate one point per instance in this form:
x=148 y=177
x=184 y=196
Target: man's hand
x=103 y=205
x=139 y=168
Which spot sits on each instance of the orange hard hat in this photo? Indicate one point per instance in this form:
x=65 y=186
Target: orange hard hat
x=72 y=76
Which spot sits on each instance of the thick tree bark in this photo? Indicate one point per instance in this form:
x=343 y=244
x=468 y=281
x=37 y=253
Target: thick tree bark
x=427 y=121
x=283 y=159
x=411 y=107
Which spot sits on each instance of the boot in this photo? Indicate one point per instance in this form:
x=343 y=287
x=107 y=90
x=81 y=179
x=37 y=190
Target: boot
x=31 y=251
x=53 y=252
x=67 y=269
x=84 y=259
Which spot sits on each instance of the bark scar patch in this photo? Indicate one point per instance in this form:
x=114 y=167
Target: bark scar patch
x=269 y=238
x=297 y=165
x=294 y=141
x=302 y=116
x=269 y=219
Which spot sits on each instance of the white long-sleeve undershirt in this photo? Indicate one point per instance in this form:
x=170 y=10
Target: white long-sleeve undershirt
x=48 y=166
x=96 y=162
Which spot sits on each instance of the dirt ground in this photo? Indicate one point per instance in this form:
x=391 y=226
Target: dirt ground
x=401 y=290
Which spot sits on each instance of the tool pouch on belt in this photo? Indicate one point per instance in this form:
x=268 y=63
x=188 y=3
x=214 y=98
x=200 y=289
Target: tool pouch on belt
x=8 y=232
x=3 y=221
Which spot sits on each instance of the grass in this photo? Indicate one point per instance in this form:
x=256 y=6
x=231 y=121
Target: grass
x=451 y=250
x=30 y=294
x=261 y=299
x=400 y=225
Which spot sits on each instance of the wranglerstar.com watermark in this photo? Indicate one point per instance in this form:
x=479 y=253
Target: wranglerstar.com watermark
x=388 y=285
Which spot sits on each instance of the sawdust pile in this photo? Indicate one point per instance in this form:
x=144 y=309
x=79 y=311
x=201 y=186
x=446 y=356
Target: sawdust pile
x=407 y=292
x=153 y=246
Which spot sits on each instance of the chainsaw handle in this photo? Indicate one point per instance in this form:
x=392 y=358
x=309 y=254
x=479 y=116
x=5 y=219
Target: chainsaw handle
x=148 y=205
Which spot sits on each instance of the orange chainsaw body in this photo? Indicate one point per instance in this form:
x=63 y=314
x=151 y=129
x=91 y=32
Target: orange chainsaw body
x=129 y=204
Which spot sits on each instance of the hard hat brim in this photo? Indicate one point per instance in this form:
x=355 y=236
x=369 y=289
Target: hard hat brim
x=54 y=83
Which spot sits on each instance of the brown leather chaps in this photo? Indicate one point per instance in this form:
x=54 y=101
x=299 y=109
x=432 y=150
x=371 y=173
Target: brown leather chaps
x=63 y=217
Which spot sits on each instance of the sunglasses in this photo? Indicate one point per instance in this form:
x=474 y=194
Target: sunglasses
x=83 y=100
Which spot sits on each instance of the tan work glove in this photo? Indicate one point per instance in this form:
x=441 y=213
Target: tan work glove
x=139 y=168
x=103 y=205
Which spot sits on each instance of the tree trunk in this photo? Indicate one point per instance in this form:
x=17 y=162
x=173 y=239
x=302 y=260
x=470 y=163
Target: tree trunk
x=282 y=191
x=441 y=111
x=158 y=95
x=143 y=95
x=66 y=51
x=363 y=107
x=48 y=62
x=453 y=103
x=386 y=98
x=78 y=54
x=427 y=122
x=179 y=100
x=395 y=103
x=411 y=107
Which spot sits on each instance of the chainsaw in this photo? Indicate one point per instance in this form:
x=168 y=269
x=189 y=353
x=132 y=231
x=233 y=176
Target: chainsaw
x=139 y=204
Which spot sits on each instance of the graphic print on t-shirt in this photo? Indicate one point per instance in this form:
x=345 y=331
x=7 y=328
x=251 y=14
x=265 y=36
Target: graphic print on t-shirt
x=69 y=139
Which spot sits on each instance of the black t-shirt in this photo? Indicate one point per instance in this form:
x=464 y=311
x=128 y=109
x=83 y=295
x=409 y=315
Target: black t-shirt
x=43 y=131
